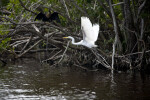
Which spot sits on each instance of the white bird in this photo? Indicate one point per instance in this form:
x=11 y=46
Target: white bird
x=90 y=33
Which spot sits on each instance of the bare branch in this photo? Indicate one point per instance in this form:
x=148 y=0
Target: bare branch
x=29 y=48
x=26 y=8
x=116 y=32
x=120 y=3
x=66 y=8
x=141 y=7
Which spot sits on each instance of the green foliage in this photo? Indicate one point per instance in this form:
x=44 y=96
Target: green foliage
x=3 y=2
x=111 y=40
x=108 y=44
x=2 y=27
x=4 y=44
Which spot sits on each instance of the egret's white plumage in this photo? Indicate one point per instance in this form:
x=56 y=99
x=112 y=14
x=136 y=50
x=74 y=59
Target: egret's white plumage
x=90 y=33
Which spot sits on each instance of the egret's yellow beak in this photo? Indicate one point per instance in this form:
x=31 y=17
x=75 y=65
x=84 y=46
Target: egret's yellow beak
x=65 y=37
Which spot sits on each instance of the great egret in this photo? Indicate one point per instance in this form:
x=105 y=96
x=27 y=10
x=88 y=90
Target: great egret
x=90 y=33
x=49 y=17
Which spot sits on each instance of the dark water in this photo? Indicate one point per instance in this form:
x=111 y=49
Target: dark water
x=29 y=80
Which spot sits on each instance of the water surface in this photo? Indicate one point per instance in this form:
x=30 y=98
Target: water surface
x=29 y=80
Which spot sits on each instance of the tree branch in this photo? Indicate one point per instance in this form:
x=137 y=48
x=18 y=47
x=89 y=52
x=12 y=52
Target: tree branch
x=26 y=8
x=116 y=32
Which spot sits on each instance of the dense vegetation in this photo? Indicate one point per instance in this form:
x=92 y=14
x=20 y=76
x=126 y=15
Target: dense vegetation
x=124 y=40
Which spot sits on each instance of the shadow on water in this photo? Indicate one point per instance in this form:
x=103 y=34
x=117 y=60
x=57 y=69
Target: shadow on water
x=28 y=80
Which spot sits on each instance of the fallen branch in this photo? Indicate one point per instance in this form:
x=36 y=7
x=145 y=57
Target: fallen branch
x=100 y=59
x=52 y=56
x=135 y=53
x=64 y=52
x=27 y=43
x=29 y=49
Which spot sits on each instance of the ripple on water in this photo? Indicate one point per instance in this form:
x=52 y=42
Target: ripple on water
x=31 y=81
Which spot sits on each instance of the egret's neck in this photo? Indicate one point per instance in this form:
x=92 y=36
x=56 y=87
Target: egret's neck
x=75 y=43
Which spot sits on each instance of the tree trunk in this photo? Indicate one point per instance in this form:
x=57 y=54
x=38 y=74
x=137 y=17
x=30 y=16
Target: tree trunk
x=129 y=28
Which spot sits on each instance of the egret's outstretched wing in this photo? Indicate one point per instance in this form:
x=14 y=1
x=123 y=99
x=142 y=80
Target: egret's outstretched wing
x=83 y=33
x=96 y=31
x=87 y=29
x=89 y=34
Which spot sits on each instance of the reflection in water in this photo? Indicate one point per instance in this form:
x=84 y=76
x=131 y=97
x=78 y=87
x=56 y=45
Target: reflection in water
x=31 y=81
